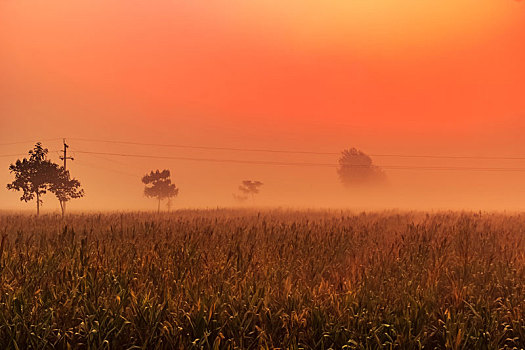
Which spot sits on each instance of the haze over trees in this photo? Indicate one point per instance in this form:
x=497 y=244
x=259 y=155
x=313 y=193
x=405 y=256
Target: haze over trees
x=159 y=186
x=38 y=175
x=248 y=188
x=357 y=169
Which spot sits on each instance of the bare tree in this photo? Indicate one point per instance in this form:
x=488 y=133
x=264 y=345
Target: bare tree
x=356 y=169
x=158 y=185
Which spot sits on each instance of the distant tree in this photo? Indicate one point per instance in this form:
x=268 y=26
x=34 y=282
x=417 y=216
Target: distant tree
x=249 y=188
x=356 y=169
x=65 y=188
x=37 y=175
x=158 y=185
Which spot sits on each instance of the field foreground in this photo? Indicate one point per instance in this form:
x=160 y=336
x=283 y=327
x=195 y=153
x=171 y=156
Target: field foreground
x=243 y=279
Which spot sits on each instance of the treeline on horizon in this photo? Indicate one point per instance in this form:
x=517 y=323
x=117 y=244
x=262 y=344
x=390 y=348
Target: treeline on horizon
x=37 y=175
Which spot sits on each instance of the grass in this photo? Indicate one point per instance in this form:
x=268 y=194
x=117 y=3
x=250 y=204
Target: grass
x=227 y=279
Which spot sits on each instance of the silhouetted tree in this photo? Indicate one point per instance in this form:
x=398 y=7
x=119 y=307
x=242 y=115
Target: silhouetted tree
x=158 y=185
x=37 y=175
x=65 y=188
x=249 y=187
x=356 y=168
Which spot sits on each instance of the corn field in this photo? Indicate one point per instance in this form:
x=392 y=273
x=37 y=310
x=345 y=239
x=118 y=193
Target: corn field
x=243 y=279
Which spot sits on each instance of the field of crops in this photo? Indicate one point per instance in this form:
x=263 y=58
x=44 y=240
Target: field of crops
x=228 y=279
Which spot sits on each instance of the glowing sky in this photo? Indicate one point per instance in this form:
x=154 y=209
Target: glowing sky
x=388 y=76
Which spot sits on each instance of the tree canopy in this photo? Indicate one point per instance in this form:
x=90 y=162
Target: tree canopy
x=38 y=175
x=158 y=185
x=247 y=188
x=356 y=169
x=65 y=188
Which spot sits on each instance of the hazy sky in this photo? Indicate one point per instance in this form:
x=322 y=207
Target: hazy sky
x=386 y=76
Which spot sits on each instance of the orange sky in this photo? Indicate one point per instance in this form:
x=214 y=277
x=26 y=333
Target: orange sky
x=387 y=76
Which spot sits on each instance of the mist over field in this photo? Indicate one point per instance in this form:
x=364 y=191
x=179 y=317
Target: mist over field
x=387 y=77
x=113 y=182
x=299 y=174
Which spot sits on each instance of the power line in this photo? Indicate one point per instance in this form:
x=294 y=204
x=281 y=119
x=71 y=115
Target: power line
x=207 y=147
x=206 y=159
x=331 y=165
x=447 y=157
x=13 y=155
x=91 y=165
x=26 y=142
x=307 y=164
x=19 y=154
x=264 y=150
x=112 y=161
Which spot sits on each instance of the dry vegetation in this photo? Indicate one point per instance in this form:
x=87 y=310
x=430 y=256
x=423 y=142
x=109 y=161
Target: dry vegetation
x=242 y=279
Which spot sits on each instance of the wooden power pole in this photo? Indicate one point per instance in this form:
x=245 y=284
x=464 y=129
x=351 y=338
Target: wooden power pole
x=65 y=158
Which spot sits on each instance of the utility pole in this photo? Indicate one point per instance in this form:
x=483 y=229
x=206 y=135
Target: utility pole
x=65 y=158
